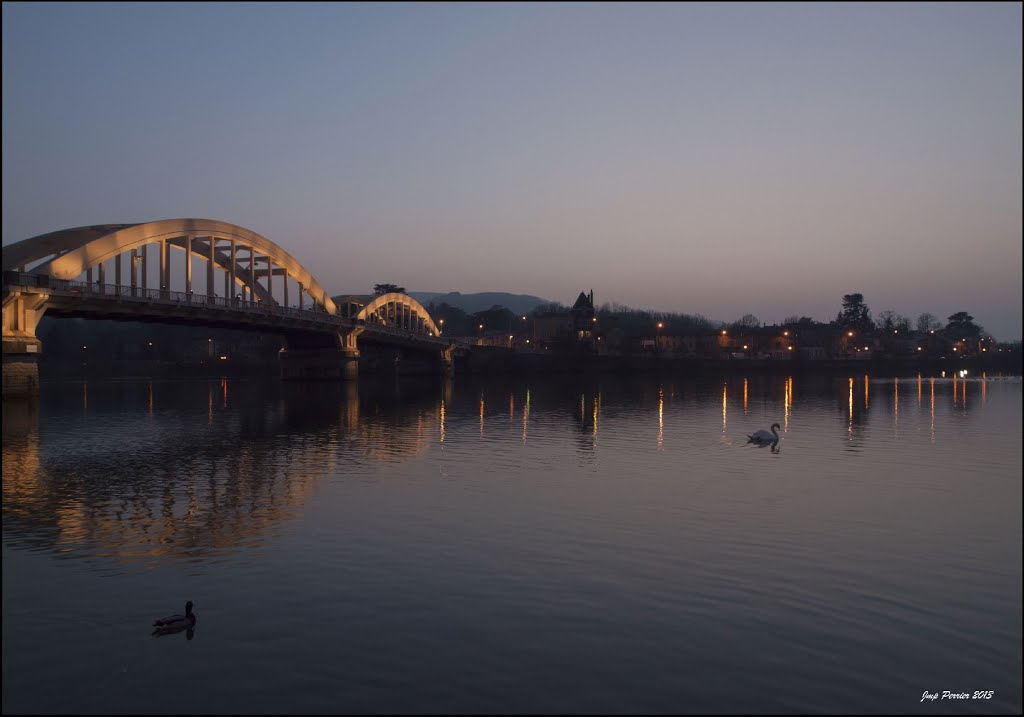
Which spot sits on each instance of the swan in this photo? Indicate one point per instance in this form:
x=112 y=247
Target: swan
x=764 y=436
x=175 y=623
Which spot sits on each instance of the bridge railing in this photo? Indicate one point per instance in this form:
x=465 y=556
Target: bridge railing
x=67 y=287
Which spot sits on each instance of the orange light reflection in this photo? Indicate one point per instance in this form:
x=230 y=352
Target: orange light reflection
x=661 y=418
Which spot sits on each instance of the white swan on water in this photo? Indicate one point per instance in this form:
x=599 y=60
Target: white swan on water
x=764 y=436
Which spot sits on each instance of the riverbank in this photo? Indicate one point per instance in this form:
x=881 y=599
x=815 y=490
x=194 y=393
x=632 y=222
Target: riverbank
x=496 y=361
x=491 y=361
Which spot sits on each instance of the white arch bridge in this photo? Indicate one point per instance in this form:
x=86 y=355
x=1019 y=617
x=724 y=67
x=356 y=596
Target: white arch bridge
x=197 y=271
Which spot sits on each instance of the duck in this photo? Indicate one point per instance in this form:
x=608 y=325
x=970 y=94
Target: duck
x=764 y=436
x=176 y=623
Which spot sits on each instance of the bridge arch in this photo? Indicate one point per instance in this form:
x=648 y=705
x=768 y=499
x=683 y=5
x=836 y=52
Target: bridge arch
x=242 y=255
x=393 y=309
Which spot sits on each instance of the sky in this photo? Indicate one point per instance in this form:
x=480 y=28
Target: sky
x=719 y=159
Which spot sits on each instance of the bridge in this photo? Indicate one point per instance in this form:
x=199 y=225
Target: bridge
x=173 y=271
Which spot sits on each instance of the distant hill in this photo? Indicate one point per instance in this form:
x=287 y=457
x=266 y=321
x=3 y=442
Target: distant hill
x=517 y=303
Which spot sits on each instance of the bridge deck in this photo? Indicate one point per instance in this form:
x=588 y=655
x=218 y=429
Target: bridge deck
x=135 y=303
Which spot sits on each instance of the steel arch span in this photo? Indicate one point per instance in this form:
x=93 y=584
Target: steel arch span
x=242 y=255
x=398 y=310
x=390 y=311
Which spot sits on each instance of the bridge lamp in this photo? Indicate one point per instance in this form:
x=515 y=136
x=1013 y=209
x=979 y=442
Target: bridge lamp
x=850 y=333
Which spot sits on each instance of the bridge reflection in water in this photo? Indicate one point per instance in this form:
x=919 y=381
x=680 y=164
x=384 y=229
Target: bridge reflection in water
x=201 y=468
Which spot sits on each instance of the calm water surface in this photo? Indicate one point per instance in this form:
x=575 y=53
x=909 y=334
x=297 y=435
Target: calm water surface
x=610 y=545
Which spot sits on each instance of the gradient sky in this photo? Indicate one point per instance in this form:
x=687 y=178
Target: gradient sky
x=714 y=159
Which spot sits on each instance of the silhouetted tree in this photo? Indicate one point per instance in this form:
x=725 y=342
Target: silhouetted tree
x=799 y=321
x=388 y=289
x=855 y=314
x=961 y=325
x=747 y=321
x=495 y=318
x=636 y=322
x=886 y=320
x=927 y=322
x=456 y=321
x=889 y=321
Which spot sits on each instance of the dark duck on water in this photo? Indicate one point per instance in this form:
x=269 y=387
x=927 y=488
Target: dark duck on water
x=175 y=623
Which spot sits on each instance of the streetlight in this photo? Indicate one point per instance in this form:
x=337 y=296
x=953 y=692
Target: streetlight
x=440 y=330
x=657 y=336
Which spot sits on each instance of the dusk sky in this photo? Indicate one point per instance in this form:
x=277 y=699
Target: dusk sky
x=713 y=159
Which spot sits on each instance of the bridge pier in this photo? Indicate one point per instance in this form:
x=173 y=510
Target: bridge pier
x=22 y=311
x=448 y=362
x=328 y=363
x=319 y=364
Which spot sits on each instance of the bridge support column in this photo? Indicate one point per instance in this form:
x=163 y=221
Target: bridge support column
x=335 y=363
x=350 y=354
x=448 y=362
x=21 y=313
x=350 y=364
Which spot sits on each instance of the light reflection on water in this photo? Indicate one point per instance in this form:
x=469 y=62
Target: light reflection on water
x=420 y=546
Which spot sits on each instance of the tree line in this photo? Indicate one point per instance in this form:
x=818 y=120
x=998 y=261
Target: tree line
x=856 y=315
